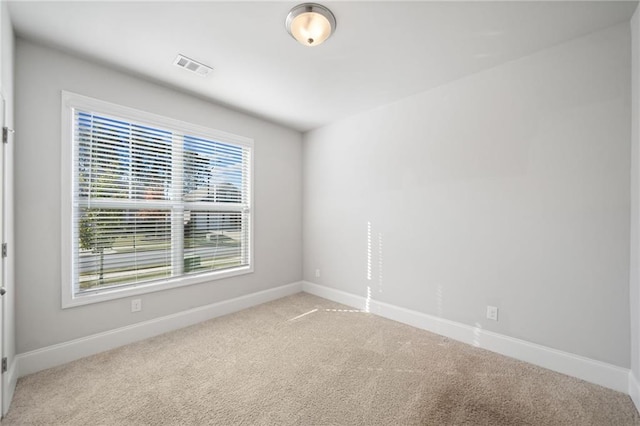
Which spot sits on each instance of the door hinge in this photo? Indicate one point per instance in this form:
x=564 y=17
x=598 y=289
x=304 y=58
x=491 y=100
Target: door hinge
x=5 y=134
x=4 y=364
x=4 y=249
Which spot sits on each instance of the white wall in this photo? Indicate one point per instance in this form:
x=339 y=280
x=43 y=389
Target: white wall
x=7 y=89
x=508 y=188
x=634 y=267
x=40 y=76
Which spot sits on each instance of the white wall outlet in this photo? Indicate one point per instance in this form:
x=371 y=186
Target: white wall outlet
x=136 y=305
x=492 y=313
x=317 y=273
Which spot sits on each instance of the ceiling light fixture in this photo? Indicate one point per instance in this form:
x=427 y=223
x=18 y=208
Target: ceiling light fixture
x=310 y=23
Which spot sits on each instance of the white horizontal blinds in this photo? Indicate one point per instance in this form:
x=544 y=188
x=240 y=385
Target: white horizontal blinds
x=122 y=219
x=152 y=203
x=121 y=160
x=216 y=181
x=122 y=247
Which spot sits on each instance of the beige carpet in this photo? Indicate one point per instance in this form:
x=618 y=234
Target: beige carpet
x=305 y=360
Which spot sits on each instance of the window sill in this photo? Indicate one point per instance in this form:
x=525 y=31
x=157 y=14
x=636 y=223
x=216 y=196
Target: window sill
x=144 y=288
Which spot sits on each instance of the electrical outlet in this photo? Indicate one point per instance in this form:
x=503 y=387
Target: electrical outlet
x=492 y=313
x=317 y=273
x=136 y=305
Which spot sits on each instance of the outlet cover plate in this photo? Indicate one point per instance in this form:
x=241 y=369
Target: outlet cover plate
x=492 y=313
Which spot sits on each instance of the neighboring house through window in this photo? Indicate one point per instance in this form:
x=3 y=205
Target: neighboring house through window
x=149 y=202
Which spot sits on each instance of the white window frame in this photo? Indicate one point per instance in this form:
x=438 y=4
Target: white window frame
x=71 y=101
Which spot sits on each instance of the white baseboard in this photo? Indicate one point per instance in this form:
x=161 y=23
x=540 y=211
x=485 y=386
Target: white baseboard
x=600 y=373
x=634 y=390
x=51 y=356
x=607 y=375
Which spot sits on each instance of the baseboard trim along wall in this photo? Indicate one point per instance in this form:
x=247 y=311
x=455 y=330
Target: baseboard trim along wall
x=634 y=390
x=51 y=356
x=607 y=375
x=600 y=373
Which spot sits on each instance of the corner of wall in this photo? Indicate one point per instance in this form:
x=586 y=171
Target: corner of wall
x=634 y=389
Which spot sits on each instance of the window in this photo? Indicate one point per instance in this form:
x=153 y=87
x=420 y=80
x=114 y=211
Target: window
x=150 y=202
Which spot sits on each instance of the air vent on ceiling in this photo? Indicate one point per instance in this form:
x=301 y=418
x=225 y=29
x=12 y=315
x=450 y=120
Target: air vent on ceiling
x=191 y=65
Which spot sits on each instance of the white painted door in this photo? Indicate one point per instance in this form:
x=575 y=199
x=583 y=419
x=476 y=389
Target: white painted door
x=3 y=234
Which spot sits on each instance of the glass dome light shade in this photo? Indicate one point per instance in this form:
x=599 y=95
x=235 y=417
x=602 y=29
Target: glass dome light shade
x=310 y=23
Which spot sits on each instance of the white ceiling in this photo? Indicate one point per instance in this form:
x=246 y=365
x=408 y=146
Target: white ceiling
x=380 y=52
